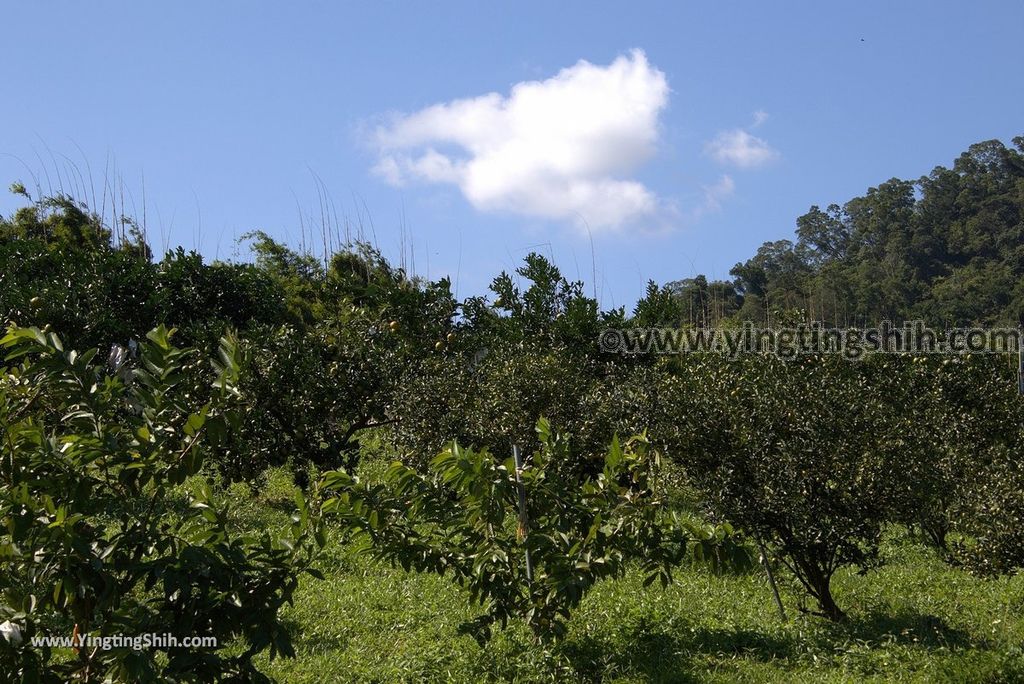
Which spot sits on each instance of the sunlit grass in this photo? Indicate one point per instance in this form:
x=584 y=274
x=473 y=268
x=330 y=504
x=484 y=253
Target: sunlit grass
x=915 y=619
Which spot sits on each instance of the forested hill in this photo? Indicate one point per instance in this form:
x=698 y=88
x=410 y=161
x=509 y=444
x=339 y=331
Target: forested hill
x=947 y=248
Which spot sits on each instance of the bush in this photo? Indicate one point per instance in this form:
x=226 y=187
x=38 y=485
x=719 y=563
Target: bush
x=947 y=421
x=531 y=353
x=60 y=266
x=312 y=393
x=204 y=300
x=464 y=520
x=787 y=450
x=495 y=403
x=990 y=516
x=92 y=542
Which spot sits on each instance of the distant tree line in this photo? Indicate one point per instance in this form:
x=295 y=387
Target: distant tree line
x=947 y=248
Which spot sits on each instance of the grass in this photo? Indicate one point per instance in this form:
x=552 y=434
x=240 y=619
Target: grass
x=914 y=620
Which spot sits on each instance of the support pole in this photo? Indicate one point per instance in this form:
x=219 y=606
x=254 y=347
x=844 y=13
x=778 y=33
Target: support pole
x=1020 y=362
x=524 y=520
x=771 y=577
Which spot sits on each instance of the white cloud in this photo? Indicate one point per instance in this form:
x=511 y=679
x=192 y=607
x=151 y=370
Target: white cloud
x=760 y=116
x=713 y=197
x=739 y=148
x=715 y=194
x=561 y=148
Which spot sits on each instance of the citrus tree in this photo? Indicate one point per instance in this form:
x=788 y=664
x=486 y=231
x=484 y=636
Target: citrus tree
x=527 y=543
x=95 y=540
x=787 y=451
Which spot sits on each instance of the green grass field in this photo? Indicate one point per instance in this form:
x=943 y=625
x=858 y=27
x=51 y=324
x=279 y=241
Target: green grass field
x=915 y=619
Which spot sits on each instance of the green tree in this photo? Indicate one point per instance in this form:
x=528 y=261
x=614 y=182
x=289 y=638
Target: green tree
x=93 y=542
x=464 y=520
x=786 y=450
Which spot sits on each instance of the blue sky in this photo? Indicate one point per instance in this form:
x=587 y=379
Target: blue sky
x=633 y=141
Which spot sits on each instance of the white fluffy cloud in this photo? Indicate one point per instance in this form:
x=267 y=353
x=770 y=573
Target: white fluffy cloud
x=562 y=148
x=739 y=148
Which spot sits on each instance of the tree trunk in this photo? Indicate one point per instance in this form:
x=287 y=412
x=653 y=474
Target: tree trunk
x=821 y=584
x=828 y=606
x=818 y=583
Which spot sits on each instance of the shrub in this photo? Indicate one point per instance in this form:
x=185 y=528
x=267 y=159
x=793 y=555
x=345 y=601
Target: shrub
x=315 y=389
x=496 y=402
x=59 y=266
x=463 y=520
x=92 y=542
x=947 y=421
x=533 y=352
x=787 y=450
x=310 y=394
x=204 y=300
x=990 y=515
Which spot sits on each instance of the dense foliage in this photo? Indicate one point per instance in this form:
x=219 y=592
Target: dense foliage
x=60 y=266
x=531 y=544
x=947 y=248
x=93 y=541
x=531 y=354
x=787 y=450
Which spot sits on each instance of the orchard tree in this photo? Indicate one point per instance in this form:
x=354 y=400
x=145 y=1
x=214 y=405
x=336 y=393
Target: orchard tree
x=787 y=451
x=528 y=543
x=94 y=542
